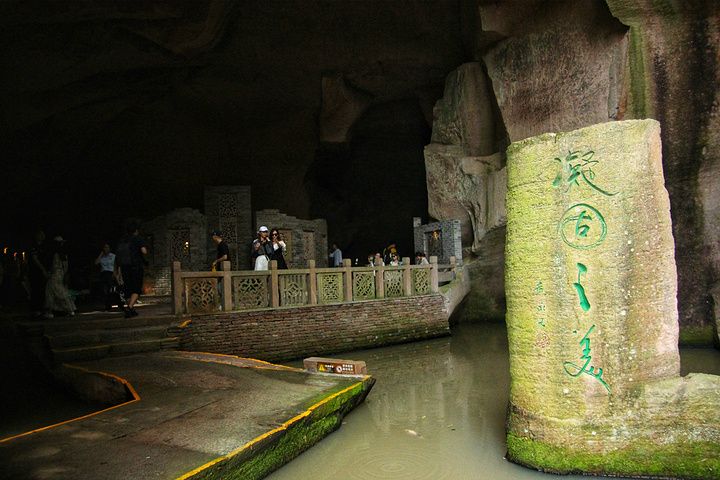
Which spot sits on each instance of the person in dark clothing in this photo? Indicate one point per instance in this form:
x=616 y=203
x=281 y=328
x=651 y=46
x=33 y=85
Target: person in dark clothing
x=130 y=258
x=223 y=250
x=279 y=249
x=38 y=271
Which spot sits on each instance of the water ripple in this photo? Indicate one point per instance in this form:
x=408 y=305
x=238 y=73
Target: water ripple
x=410 y=465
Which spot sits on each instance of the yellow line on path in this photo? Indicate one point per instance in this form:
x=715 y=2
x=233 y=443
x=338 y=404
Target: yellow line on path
x=284 y=426
x=135 y=395
x=255 y=360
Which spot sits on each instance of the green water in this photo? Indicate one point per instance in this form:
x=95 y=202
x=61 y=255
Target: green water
x=437 y=411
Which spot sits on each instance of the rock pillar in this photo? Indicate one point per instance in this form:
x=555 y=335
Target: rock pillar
x=592 y=314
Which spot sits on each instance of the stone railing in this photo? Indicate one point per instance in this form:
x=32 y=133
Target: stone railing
x=227 y=290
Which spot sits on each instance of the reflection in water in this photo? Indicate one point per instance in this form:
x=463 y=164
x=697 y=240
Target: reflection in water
x=437 y=411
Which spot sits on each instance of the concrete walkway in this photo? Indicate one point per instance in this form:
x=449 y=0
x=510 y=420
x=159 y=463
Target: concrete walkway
x=191 y=413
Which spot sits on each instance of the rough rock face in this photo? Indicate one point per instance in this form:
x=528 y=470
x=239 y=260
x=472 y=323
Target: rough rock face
x=467 y=181
x=592 y=313
x=556 y=66
x=486 y=299
x=464 y=115
x=470 y=189
x=674 y=70
x=460 y=163
x=342 y=105
x=561 y=77
x=715 y=293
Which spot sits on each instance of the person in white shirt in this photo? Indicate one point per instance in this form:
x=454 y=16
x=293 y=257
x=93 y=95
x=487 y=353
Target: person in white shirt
x=106 y=260
x=262 y=249
x=335 y=256
x=379 y=262
x=420 y=259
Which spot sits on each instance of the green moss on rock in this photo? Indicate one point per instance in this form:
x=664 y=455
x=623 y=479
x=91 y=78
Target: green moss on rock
x=270 y=453
x=696 y=460
x=697 y=336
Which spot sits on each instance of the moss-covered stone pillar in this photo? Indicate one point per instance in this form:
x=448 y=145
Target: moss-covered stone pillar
x=592 y=312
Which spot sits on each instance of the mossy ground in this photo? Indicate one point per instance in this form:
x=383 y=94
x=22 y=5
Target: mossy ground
x=269 y=454
x=691 y=460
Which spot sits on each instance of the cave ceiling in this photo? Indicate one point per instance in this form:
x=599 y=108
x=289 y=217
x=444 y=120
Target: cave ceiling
x=115 y=109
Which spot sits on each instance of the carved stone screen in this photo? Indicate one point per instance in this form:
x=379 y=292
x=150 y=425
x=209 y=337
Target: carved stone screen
x=434 y=243
x=180 y=245
x=228 y=205
x=228 y=209
x=287 y=236
x=309 y=245
x=440 y=239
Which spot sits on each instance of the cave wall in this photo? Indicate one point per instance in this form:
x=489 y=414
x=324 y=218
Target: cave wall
x=674 y=73
x=116 y=109
x=128 y=108
x=558 y=66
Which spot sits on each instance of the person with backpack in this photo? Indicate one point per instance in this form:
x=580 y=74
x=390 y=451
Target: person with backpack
x=130 y=258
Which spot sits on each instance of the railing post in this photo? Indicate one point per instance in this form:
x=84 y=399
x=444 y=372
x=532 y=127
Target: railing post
x=177 y=288
x=380 y=282
x=434 y=275
x=227 y=303
x=347 y=273
x=313 y=283
x=274 y=285
x=407 y=276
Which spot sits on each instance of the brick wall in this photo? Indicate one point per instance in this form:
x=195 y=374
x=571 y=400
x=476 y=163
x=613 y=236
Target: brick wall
x=283 y=334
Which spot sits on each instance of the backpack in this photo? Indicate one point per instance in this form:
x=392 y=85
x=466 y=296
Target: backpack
x=123 y=255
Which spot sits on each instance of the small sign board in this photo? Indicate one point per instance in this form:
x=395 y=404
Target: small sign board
x=335 y=366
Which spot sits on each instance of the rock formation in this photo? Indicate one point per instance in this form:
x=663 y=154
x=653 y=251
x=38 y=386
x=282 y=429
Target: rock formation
x=673 y=71
x=592 y=312
x=466 y=180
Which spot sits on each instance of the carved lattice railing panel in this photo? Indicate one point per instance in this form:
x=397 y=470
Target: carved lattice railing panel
x=250 y=292
x=330 y=287
x=421 y=281
x=202 y=295
x=293 y=290
x=363 y=285
x=393 y=283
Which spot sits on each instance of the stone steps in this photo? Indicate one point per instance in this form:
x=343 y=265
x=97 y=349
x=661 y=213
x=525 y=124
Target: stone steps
x=99 y=337
x=94 y=352
x=95 y=337
x=108 y=323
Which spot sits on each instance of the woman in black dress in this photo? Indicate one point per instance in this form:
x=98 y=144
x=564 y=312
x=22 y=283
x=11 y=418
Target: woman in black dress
x=279 y=249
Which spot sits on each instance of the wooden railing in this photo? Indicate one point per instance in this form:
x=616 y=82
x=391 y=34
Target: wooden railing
x=227 y=290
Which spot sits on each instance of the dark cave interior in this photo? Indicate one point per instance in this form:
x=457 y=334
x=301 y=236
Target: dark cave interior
x=128 y=110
